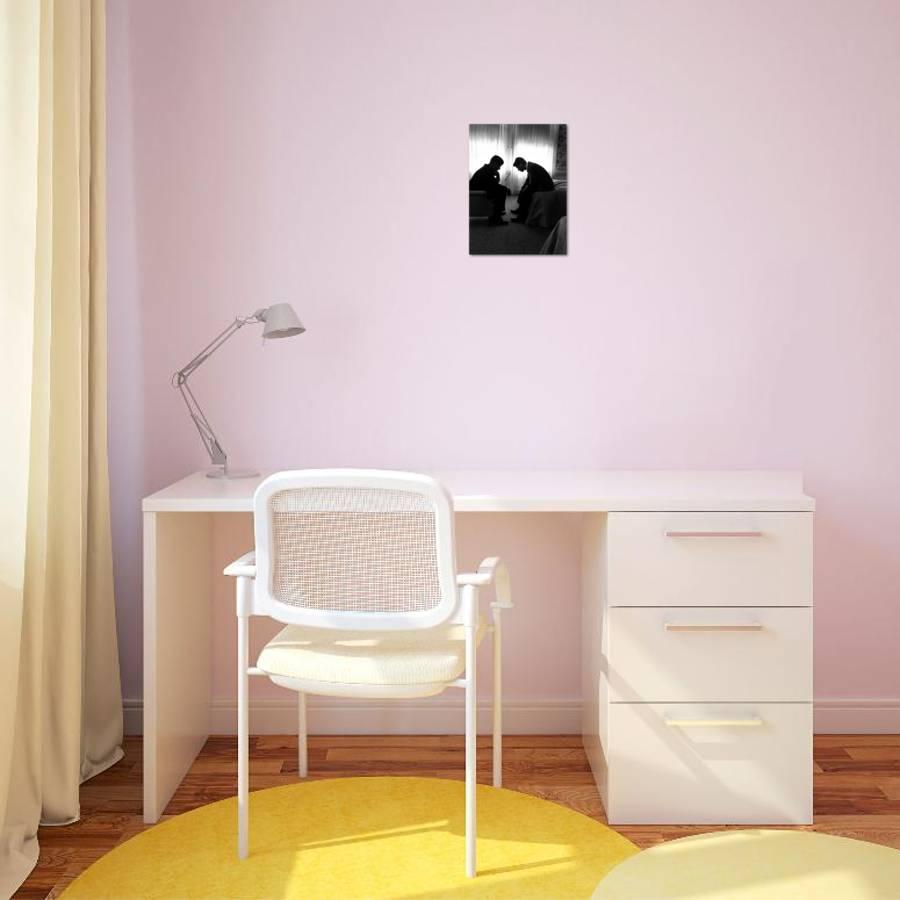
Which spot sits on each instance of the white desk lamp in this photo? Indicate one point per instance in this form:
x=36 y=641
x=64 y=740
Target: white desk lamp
x=279 y=321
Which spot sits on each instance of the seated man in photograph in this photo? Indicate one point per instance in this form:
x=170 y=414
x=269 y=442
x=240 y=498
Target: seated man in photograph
x=538 y=180
x=487 y=179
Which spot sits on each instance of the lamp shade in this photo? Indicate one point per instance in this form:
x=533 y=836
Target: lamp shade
x=281 y=321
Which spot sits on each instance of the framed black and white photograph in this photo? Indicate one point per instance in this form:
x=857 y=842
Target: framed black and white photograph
x=518 y=189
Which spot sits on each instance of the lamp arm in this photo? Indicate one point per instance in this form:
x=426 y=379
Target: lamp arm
x=211 y=348
x=217 y=455
x=180 y=380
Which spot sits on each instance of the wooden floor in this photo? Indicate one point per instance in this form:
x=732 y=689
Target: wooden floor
x=857 y=787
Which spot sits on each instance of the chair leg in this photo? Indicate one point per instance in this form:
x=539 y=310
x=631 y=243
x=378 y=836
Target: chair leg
x=471 y=738
x=243 y=738
x=302 y=757
x=497 y=741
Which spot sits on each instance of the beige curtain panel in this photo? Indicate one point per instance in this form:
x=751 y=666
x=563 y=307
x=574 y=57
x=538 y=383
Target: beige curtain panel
x=60 y=701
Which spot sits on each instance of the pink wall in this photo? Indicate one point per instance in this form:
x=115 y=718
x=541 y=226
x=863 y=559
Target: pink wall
x=731 y=298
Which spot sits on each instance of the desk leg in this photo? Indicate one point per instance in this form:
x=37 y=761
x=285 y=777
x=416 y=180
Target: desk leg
x=177 y=588
x=594 y=650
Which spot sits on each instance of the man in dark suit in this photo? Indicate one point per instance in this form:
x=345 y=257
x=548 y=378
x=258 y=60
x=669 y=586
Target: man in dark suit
x=538 y=180
x=487 y=179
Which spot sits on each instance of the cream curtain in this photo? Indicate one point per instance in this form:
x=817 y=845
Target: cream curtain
x=60 y=703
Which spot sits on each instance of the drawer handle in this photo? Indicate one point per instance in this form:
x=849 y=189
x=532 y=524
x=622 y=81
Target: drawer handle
x=735 y=626
x=712 y=534
x=751 y=722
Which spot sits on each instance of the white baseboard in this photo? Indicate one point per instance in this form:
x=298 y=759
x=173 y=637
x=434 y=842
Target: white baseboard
x=443 y=716
x=334 y=716
x=857 y=716
x=133 y=715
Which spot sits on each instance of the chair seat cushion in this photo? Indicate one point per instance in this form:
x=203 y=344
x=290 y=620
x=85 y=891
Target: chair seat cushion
x=334 y=656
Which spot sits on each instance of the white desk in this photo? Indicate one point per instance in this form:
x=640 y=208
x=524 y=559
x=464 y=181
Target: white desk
x=179 y=573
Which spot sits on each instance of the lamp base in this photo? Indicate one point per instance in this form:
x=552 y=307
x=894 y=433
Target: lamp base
x=223 y=472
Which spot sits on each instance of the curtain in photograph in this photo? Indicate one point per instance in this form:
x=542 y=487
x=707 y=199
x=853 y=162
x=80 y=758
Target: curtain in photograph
x=534 y=143
x=537 y=143
x=60 y=702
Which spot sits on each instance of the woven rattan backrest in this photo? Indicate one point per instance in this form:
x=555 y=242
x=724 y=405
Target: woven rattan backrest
x=346 y=546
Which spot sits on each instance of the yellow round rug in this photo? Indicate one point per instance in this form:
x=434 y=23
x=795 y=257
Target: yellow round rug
x=363 y=837
x=757 y=865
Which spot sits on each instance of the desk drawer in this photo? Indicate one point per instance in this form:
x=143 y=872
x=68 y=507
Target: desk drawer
x=723 y=764
x=683 y=654
x=709 y=559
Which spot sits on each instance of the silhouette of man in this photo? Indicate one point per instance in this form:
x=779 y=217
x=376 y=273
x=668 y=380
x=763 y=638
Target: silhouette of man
x=487 y=179
x=538 y=180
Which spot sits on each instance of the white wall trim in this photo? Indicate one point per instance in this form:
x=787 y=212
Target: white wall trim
x=329 y=715
x=133 y=715
x=857 y=716
x=332 y=716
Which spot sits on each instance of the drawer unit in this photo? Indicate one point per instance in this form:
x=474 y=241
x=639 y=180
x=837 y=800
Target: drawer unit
x=709 y=559
x=709 y=763
x=725 y=654
x=697 y=665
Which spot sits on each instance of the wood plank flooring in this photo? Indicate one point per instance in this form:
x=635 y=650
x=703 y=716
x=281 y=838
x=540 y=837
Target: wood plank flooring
x=857 y=787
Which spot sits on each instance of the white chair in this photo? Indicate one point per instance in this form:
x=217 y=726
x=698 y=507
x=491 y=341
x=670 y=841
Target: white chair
x=360 y=565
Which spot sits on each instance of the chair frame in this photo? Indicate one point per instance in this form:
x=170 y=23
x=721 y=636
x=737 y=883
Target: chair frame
x=460 y=603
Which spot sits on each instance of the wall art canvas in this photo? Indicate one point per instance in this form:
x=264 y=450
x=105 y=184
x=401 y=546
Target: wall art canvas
x=518 y=190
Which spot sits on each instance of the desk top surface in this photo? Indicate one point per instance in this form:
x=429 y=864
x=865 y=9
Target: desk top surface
x=545 y=491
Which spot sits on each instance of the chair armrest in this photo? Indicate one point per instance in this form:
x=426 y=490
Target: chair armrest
x=491 y=571
x=245 y=566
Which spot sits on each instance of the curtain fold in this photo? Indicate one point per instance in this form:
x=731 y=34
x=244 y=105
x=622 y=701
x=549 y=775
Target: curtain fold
x=60 y=700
